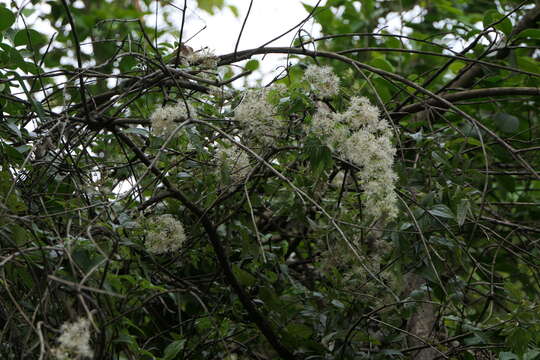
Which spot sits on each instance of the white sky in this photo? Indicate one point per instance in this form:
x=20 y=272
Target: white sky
x=268 y=19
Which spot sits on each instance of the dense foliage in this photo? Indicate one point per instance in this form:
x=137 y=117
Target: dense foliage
x=378 y=199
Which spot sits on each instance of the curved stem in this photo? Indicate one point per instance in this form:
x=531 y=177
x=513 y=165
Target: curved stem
x=261 y=322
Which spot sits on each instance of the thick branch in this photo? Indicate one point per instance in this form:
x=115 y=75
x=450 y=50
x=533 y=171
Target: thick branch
x=466 y=95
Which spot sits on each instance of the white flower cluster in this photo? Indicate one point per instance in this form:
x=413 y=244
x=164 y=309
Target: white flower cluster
x=364 y=138
x=164 y=118
x=203 y=58
x=235 y=162
x=74 y=342
x=257 y=117
x=166 y=234
x=322 y=80
x=327 y=125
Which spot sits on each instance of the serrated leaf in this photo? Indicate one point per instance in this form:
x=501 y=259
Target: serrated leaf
x=441 y=210
x=7 y=18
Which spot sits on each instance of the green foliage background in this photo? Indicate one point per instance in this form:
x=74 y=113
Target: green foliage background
x=266 y=272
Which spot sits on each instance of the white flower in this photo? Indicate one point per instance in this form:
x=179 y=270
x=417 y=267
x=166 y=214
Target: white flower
x=326 y=126
x=362 y=114
x=323 y=122
x=322 y=80
x=203 y=58
x=74 y=342
x=337 y=181
x=371 y=148
x=257 y=117
x=364 y=138
x=164 y=118
x=220 y=94
x=166 y=234
x=235 y=162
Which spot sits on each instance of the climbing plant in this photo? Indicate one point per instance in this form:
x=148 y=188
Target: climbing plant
x=377 y=197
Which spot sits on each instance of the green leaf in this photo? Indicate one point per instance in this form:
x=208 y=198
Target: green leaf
x=506 y=355
x=173 y=349
x=462 y=210
x=528 y=64
x=20 y=235
x=368 y=6
x=530 y=33
x=126 y=338
x=442 y=210
x=442 y=241
x=128 y=62
x=492 y=16
x=299 y=330
x=531 y=355
x=392 y=353
x=519 y=340
x=29 y=37
x=13 y=127
x=268 y=295
x=10 y=58
x=506 y=122
x=7 y=18
x=382 y=63
x=138 y=131
x=319 y=155
x=383 y=88
x=322 y=15
x=244 y=278
x=252 y=65
x=13 y=201
x=31 y=68
x=337 y=304
x=446 y=7
x=209 y=5
x=234 y=10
